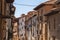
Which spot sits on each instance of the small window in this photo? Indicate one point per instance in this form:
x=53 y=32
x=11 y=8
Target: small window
x=34 y=22
x=41 y=18
x=27 y=29
x=21 y=23
x=22 y=27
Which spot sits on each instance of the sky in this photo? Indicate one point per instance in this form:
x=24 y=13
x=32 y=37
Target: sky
x=23 y=6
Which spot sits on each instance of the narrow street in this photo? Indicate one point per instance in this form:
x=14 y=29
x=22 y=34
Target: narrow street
x=40 y=23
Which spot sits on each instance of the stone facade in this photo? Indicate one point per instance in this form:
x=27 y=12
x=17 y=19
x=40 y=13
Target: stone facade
x=5 y=18
x=53 y=24
x=43 y=9
x=15 y=29
x=31 y=30
x=22 y=27
x=35 y=27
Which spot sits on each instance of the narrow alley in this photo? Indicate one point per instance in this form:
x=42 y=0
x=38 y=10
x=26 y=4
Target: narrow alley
x=41 y=23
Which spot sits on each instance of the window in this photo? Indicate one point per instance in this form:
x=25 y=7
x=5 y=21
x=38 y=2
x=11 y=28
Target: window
x=41 y=18
x=21 y=23
x=27 y=29
x=22 y=27
x=34 y=22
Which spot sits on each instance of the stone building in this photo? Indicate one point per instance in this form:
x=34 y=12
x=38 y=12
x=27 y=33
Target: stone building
x=15 y=29
x=53 y=22
x=31 y=30
x=35 y=26
x=28 y=25
x=43 y=9
x=22 y=27
x=5 y=18
x=26 y=28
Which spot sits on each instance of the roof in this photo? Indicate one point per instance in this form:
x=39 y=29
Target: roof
x=52 y=12
x=39 y=6
x=50 y=2
x=45 y=3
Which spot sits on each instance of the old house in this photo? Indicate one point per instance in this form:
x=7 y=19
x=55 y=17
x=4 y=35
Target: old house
x=5 y=18
x=15 y=29
x=35 y=26
x=22 y=27
x=29 y=25
x=43 y=9
x=53 y=22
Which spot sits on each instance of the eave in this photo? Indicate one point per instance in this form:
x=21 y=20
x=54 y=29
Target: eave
x=52 y=12
x=43 y=4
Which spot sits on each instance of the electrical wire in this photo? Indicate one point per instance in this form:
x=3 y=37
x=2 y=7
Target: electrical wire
x=24 y=5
